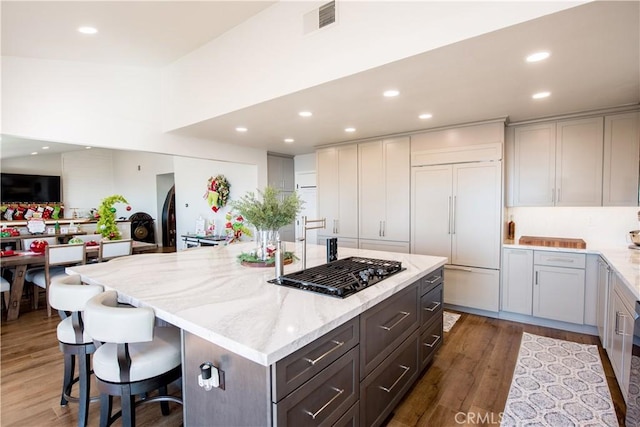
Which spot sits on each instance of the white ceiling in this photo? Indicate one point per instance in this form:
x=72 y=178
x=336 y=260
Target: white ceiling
x=594 y=63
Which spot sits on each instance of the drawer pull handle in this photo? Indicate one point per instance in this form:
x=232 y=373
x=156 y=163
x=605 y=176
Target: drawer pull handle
x=437 y=338
x=313 y=415
x=328 y=352
x=435 y=279
x=404 y=315
x=388 y=390
x=436 y=305
x=569 y=260
x=467 y=270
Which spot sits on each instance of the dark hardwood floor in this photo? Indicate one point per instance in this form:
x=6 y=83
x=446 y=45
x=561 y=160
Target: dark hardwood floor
x=467 y=382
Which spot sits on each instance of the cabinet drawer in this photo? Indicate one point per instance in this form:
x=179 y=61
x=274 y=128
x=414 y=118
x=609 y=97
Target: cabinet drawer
x=295 y=369
x=431 y=280
x=431 y=305
x=430 y=341
x=381 y=391
x=351 y=418
x=384 y=326
x=559 y=259
x=323 y=399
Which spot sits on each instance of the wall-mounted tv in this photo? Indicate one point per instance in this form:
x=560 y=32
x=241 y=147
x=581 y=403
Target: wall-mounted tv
x=30 y=188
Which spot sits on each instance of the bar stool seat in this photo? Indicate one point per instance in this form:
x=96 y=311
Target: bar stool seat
x=136 y=358
x=69 y=296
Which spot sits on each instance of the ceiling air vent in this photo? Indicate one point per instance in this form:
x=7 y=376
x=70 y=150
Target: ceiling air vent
x=319 y=18
x=327 y=14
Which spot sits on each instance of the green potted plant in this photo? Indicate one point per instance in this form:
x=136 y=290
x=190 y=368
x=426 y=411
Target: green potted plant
x=267 y=212
x=107 y=222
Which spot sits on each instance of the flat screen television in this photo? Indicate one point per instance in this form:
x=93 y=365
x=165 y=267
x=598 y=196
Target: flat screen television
x=30 y=188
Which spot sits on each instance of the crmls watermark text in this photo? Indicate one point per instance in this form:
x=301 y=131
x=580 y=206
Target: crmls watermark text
x=478 y=418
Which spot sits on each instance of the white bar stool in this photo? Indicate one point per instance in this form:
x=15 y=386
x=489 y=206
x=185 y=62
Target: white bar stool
x=136 y=357
x=69 y=296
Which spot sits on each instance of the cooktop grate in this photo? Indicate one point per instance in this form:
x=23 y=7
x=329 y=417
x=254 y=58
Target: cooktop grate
x=341 y=278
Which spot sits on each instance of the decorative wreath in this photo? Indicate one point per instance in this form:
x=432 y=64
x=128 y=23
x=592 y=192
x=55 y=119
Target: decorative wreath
x=217 y=193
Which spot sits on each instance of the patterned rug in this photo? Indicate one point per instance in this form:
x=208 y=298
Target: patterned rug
x=558 y=383
x=449 y=319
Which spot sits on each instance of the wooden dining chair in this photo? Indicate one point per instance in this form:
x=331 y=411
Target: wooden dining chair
x=57 y=257
x=110 y=249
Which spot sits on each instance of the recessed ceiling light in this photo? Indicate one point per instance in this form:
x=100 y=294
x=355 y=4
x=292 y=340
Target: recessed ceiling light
x=305 y=114
x=87 y=148
x=87 y=30
x=541 y=95
x=241 y=129
x=425 y=116
x=350 y=129
x=45 y=148
x=289 y=140
x=538 y=56
x=391 y=93
x=34 y=153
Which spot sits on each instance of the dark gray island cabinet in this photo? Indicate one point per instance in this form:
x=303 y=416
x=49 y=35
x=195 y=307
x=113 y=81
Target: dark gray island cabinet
x=354 y=375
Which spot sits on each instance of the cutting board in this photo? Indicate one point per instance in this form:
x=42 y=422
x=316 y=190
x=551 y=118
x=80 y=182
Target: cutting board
x=555 y=242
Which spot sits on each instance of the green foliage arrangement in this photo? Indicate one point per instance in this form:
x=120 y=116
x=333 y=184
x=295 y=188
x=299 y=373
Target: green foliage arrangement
x=268 y=212
x=107 y=222
x=251 y=257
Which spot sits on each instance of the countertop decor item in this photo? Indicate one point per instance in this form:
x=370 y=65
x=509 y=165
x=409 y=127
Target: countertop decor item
x=107 y=222
x=554 y=242
x=217 y=193
x=268 y=212
x=235 y=227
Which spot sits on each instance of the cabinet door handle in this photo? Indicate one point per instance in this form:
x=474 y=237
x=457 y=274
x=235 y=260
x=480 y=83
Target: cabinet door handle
x=384 y=228
x=568 y=260
x=379 y=228
x=405 y=370
x=435 y=341
x=338 y=344
x=314 y=415
x=449 y=267
x=449 y=216
x=453 y=215
x=388 y=328
x=435 y=279
x=617 y=323
x=432 y=308
x=536 y=281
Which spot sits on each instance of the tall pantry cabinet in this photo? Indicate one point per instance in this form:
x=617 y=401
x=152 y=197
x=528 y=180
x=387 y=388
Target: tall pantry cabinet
x=337 y=182
x=456 y=209
x=384 y=180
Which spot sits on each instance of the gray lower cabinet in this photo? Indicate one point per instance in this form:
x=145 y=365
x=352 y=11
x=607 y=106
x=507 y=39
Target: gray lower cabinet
x=352 y=376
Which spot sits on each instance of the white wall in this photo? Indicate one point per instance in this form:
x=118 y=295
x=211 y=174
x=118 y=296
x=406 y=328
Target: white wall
x=191 y=180
x=598 y=226
x=304 y=163
x=42 y=164
x=269 y=56
x=102 y=106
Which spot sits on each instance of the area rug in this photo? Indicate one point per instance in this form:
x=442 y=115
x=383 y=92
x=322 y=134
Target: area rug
x=449 y=319
x=558 y=383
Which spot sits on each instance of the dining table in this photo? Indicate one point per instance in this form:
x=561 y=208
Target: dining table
x=21 y=260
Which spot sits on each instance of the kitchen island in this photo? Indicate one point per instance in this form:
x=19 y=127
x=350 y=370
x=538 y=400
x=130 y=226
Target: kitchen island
x=250 y=329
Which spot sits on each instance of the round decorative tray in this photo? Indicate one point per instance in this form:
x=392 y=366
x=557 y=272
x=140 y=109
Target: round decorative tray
x=264 y=264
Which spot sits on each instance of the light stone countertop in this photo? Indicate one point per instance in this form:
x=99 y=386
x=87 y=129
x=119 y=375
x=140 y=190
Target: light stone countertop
x=206 y=292
x=624 y=261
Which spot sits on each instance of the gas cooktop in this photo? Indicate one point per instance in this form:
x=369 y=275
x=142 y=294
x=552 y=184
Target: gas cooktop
x=341 y=278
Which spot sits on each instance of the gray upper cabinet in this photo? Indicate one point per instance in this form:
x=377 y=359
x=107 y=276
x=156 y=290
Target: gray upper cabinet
x=533 y=165
x=579 y=162
x=280 y=172
x=621 y=154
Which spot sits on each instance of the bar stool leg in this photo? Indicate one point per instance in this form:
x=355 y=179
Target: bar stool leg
x=106 y=403
x=127 y=401
x=67 y=381
x=84 y=367
x=164 y=405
